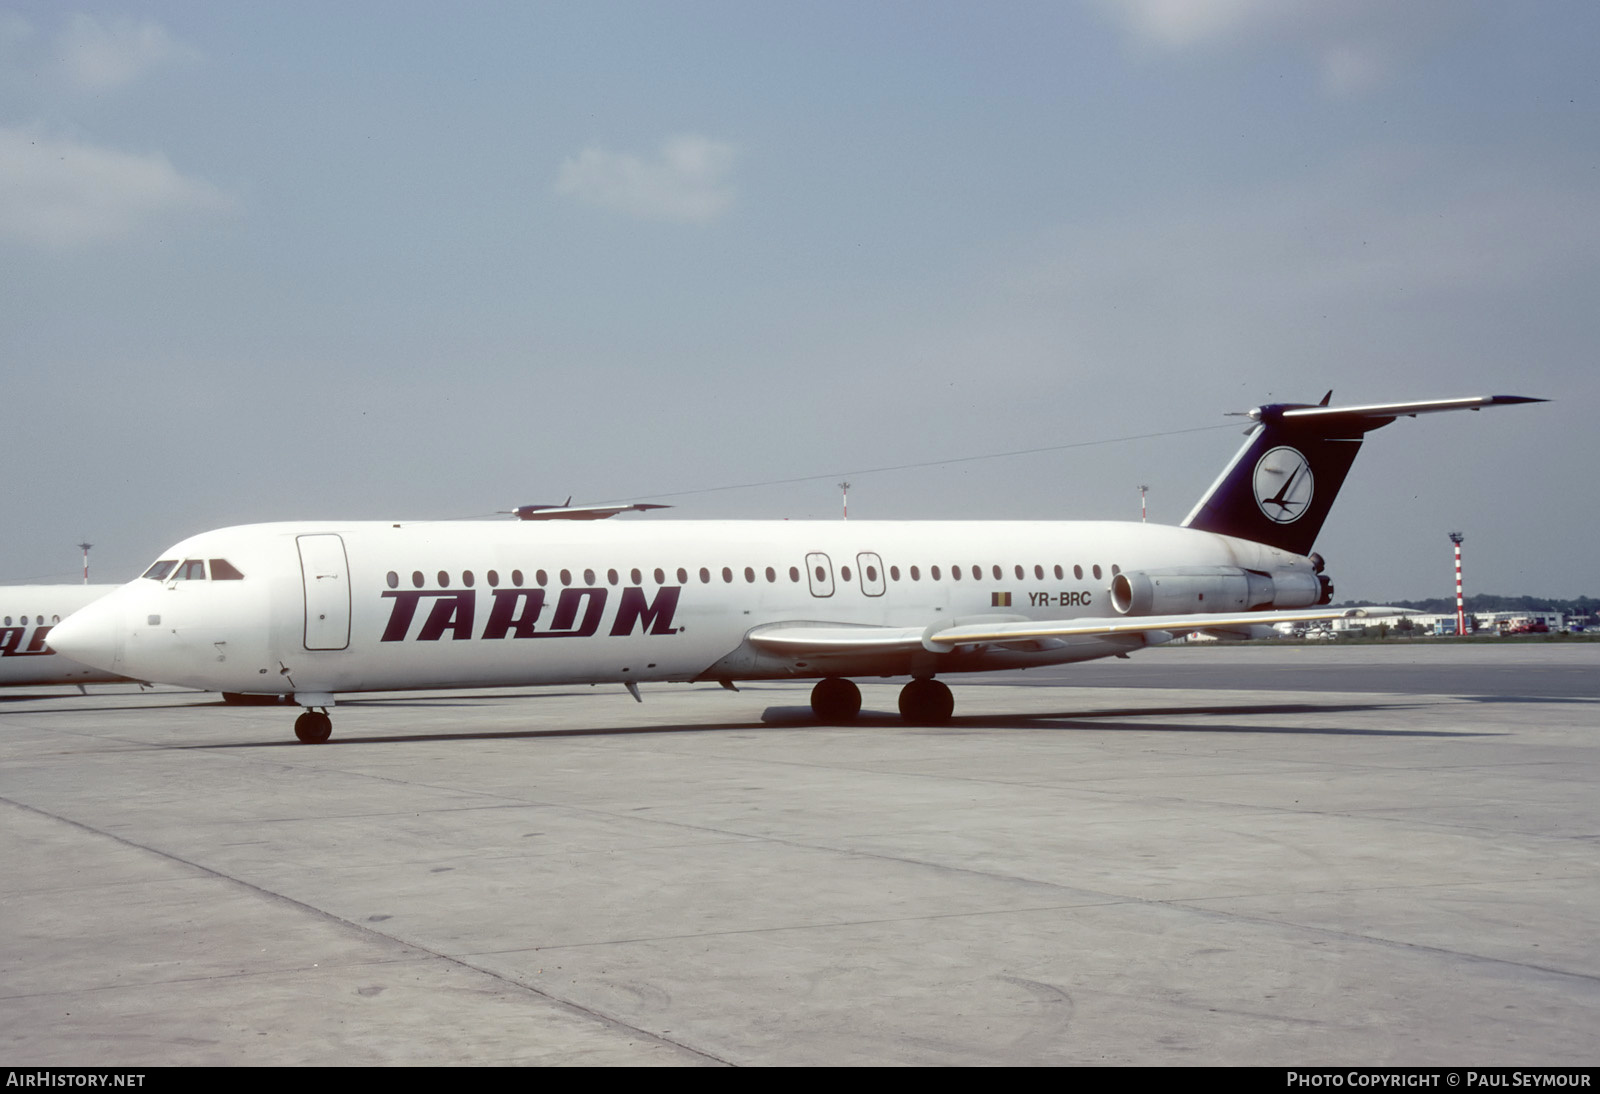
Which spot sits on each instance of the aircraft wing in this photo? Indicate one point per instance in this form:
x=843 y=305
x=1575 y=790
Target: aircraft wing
x=796 y=639
x=977 y=633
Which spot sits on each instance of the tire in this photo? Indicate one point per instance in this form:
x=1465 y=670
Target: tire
x=313 y=727
x=835 y=699
x=926 y=703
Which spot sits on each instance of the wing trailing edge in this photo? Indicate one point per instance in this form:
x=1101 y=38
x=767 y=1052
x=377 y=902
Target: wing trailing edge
x=840 y=639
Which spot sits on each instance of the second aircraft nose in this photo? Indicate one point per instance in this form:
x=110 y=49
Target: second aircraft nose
x=89 y=636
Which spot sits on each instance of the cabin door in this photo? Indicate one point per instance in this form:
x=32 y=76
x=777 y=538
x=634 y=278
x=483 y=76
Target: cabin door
x=326 y=573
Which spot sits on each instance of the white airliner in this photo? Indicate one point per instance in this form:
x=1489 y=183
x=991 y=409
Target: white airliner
x=316 y=610
x=27 y=615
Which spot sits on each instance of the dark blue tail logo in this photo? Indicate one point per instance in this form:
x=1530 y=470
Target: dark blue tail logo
x=1284 y=485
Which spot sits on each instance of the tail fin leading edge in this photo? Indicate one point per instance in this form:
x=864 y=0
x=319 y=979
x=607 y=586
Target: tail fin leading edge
x=1279 y=487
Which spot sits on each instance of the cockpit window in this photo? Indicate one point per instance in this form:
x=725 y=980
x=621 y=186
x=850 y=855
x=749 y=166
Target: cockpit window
x=160 y=570
x=223 y=570
x=193 y=569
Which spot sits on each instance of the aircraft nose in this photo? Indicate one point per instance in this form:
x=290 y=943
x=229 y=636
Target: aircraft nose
x=89 y=636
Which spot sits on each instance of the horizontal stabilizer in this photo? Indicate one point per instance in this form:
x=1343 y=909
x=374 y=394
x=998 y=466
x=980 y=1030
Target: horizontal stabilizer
x=579 y=512
x=1381 y=414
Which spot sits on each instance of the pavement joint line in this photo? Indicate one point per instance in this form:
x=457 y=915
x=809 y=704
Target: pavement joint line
x=276 y=897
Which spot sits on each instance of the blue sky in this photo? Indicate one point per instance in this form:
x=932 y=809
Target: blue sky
x=279 y=261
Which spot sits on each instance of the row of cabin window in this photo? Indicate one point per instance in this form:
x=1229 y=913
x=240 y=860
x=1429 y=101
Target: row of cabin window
x=39 y=619
x=636 y=577
x=192 y=569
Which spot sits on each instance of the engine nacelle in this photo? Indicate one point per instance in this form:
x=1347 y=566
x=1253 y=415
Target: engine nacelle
x=1196 y=589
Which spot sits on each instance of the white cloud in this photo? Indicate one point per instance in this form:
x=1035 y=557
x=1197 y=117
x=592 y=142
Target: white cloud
x=1349 y=71
x=687 y=180
x=1178 y=24
x=1353 y=46
x=57 y=192
x=97 y=55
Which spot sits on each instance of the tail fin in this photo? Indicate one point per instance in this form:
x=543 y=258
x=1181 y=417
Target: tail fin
x=1279 y=487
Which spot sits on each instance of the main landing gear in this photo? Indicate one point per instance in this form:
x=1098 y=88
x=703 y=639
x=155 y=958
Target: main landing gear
x=925 y=702
x=313 y=727
x=835 y=699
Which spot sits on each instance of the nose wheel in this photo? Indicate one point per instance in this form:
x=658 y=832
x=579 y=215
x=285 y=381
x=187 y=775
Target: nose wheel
x=313 y=727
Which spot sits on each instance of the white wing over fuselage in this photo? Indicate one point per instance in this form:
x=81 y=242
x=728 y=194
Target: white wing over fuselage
x=327 y=608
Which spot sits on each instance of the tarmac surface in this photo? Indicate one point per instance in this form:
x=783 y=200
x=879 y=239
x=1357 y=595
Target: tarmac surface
x=1357 y=856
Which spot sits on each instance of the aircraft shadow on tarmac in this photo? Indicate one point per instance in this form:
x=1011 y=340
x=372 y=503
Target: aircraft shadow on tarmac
x=1109 y=719
x=1527 y=699
x=801 y=717
x=109 y=708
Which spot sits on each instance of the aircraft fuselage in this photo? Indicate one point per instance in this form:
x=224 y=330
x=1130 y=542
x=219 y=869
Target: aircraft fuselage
x=350 y=607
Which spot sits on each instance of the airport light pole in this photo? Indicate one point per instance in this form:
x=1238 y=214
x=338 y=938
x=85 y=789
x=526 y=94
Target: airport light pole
x=86 y=547
x=1142 y=514
x=1461 y=613
x=846 y=488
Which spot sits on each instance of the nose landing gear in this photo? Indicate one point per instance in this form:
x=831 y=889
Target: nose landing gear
x=313 y=727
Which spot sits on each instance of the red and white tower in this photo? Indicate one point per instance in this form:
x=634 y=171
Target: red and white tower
x=1461 y=613
x=86 y=547
x=1142 y=514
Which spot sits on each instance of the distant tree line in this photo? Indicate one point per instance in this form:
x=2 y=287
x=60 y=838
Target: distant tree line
x=1488 y=602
